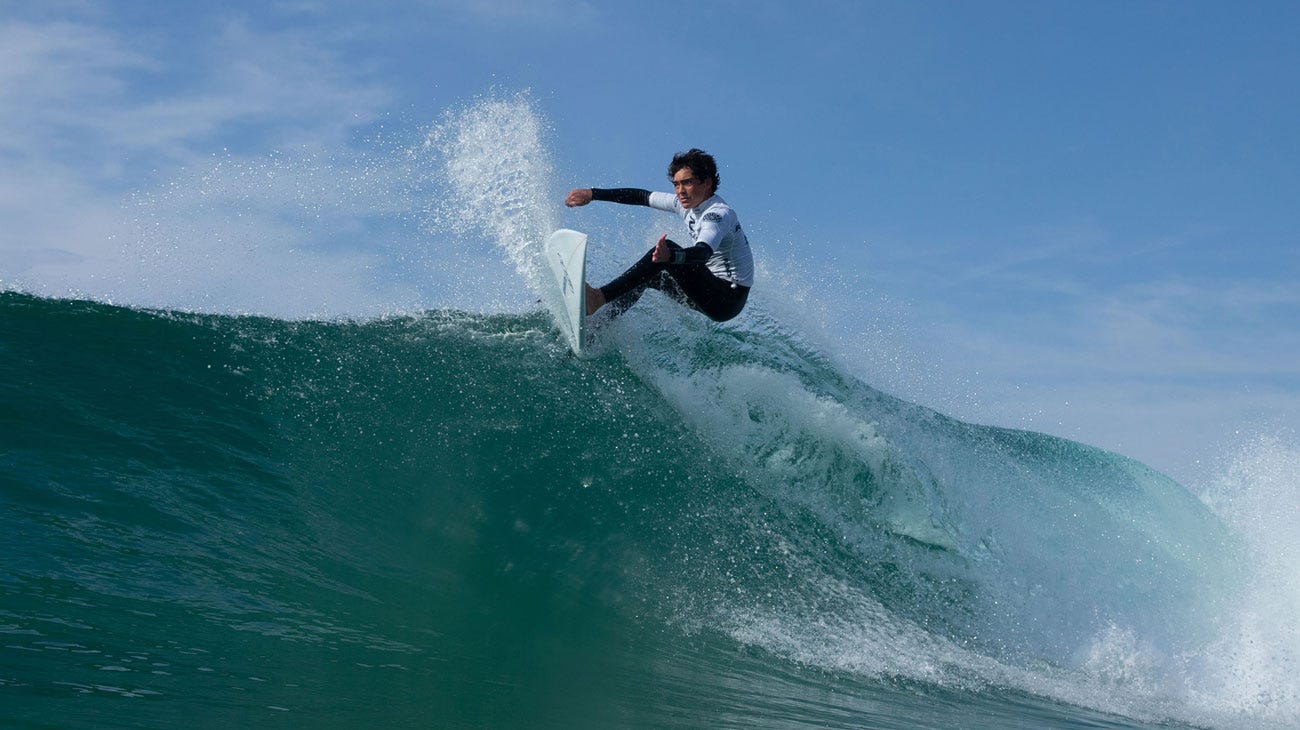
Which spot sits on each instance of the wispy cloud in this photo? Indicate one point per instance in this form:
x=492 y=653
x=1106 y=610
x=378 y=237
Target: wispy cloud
x=1083 y=332
x=57 y=81
x=83 y=91
x=94 y=122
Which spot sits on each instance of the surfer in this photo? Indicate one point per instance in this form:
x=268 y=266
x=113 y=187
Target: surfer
x=713 y=275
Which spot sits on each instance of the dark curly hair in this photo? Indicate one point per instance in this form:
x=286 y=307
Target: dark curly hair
x=701 y=164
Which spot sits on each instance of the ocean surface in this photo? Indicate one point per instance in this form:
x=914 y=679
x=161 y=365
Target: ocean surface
x=442 y=519
x=446 y=520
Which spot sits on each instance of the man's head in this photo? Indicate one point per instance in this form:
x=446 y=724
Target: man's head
x=695 y=177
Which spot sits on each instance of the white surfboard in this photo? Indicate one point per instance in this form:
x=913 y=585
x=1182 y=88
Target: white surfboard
x=566 y=253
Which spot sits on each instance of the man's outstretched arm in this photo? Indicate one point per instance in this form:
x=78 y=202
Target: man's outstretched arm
x=626 y=196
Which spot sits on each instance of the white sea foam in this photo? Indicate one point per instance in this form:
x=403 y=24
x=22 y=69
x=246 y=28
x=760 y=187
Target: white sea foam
x=1253 y=670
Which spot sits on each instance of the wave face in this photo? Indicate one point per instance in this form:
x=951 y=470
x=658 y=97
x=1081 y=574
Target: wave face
x=447 y=520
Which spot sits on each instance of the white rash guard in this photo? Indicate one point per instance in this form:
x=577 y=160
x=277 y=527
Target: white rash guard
x=715 y=224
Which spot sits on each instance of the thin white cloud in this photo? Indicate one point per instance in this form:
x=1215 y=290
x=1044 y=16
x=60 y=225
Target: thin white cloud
x=56 y=82
x=75 y=86
x=90 y=118
x=1083 y=335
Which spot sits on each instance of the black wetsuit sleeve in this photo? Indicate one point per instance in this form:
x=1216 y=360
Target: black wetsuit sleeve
x=626 y=196
x=697 y=254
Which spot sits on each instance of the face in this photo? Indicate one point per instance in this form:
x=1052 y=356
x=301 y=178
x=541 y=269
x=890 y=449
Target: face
x=690 y=190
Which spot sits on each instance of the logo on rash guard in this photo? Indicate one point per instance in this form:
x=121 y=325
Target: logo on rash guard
x=712 y=217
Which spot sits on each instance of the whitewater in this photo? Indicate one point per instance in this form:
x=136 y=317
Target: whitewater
x=435 y=516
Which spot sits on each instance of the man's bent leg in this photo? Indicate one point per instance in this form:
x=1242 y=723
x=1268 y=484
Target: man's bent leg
x=623 y=292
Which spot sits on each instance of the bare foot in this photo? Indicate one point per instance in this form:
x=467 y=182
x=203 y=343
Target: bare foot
x=595 y=299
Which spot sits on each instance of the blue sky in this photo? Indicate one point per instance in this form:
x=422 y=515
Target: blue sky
x=1078 y=218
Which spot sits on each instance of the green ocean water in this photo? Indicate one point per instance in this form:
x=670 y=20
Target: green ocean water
x=446 y=520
